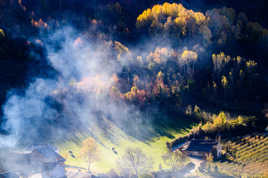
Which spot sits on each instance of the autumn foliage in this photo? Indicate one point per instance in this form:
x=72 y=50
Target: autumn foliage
x=218 y=26
x=89 y=151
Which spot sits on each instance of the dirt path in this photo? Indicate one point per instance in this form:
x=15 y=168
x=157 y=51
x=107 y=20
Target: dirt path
x=197 y=163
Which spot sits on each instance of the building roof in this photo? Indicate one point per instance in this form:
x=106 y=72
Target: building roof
x=2 y=171
x=28 y=162
x=196 y=145
x=201 y=145
x=45 y=154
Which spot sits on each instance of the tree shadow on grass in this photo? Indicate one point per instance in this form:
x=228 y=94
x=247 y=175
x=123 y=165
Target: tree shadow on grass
x=158 y=122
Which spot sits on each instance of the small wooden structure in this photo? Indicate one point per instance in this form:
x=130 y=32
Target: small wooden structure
x=197 y=148
x=42 y=160
x=48 y=161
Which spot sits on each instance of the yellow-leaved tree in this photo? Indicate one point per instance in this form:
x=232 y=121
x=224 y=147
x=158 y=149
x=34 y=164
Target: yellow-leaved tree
x=174 y=18
x=220 y=121
x=2 y=33
x=89 y=152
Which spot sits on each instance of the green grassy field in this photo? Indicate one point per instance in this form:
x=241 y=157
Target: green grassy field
x=154 y=148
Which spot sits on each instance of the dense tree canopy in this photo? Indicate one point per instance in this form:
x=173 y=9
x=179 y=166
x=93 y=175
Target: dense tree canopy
x=218 y=26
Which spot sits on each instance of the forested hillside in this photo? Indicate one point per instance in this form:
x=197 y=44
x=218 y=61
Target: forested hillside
x=133 y=88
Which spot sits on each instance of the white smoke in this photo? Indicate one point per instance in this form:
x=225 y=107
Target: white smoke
x=76 y=100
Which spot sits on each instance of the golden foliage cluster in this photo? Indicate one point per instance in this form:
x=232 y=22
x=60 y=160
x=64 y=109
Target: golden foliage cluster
x=2 y=33
x=239 y=67
x=166 y=15
x=189 y=55
x=177 y=12
x=221 y=59
x=223 y=121
x=221 y=25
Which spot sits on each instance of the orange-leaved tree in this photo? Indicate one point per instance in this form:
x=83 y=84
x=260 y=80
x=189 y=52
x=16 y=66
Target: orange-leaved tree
x=89 y=151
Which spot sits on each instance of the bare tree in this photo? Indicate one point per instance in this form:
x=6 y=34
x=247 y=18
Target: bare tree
x=135 y=162
x=174 y=159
